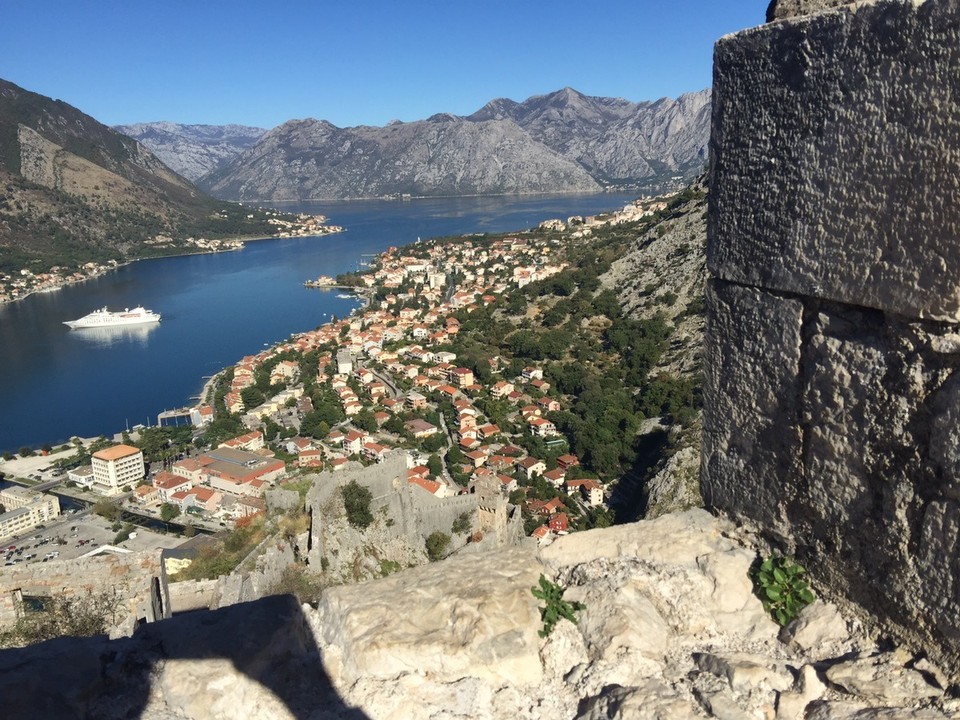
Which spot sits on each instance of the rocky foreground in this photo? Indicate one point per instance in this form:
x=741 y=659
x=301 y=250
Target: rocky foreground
x=670 y=629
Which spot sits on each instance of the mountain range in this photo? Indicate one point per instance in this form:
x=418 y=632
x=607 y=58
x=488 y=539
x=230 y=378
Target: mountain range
x=560 y=142
x=73 y=190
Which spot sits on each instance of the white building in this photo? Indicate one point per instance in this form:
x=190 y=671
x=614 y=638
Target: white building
x=25 y=510
x=117 y=468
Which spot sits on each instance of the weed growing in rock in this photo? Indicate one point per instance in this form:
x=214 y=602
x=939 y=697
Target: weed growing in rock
x=779 y=583
x=556 y=607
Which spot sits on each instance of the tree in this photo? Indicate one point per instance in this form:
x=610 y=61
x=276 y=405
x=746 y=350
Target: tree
x=435 y=465
x=461 y=524
x=436 y=544
x=168 y=512
x=252 y=397
x=107 y=510
x=365 y=420
x=356 y=501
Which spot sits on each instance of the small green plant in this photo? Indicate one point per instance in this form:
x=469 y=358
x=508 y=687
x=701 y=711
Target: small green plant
x=556 y=607
x=781 y=585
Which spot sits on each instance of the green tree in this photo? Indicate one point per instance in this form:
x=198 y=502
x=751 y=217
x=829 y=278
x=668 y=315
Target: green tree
x=252 y=397
x=435 y=465
x=365 y=420
x=437 y=544
x=168 y=512
x=356 y=501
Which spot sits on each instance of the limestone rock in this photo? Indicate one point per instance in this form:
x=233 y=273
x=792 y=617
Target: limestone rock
x=792 y=705
x=819 y=629
x=745 y=671
x=880 y=678
x=856 y=711
x=411 y=622
x=652 y=700
x=784 y=9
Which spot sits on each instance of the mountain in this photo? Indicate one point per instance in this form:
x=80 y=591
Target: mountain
x=192 y=150
x=443 y=155
x=618 y=142
x=561 y=142
x=72 y=190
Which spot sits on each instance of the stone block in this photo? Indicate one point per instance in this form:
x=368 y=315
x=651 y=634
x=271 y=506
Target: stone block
x=835 y=147
x=751 y=441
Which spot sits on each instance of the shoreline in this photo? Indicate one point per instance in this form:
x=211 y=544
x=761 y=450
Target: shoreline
x=130 y=261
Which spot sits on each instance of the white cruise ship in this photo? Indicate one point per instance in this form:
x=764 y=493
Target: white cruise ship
x=105 y=318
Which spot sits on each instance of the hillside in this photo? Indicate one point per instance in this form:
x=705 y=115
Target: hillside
x=444 y=155
x=192 y=150
x=560 y=142
x=73 y=191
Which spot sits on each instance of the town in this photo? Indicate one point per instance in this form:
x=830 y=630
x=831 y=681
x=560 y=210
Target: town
x=407 y=372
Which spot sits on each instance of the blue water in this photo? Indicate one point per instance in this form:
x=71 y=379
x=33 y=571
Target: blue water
x=56 y=382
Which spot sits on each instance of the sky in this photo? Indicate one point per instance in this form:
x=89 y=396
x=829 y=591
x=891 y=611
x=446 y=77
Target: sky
x=356 y=62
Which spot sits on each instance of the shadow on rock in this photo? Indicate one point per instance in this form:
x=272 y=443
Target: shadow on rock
x=256 y=659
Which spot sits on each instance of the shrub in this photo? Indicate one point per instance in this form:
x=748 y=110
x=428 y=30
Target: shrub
x=555 y=606
x=779 y=583
x=437 y=544
x=90 y=614
x=356 y=501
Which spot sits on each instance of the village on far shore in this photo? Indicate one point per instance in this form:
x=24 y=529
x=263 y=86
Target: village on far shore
x=21 y=283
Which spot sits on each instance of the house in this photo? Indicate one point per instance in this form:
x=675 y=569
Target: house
x=431 y=486
x=344 y=362
x=420 y=428
x=354 y=440
x=310 y=458
x=559 y=523
x=297 y=445
x=251 y=442
x=591 y=490
x=206 y=499
x=540 y=385
x=487 y=431
x=146 y=494
x=554 y=477
x=542 y=535
x=82 y=476
x=532 y=373
x=548 y=404
x=168 y=483
x=477 y=457
x=507 y=484
x=501 y=389
x=373 y=451
x=416 y=401
x=541 y=427
x=567 y=461
x=463 y=377
x=532 y=466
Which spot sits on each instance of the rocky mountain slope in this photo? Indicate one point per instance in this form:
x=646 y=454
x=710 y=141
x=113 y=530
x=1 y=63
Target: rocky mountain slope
x=192 y=150
x=444 y=155
x=618 y=142
x=72 y=190
x=670 y=630
x=561 y=142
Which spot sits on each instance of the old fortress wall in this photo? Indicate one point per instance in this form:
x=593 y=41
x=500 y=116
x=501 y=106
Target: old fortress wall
x=832 y=393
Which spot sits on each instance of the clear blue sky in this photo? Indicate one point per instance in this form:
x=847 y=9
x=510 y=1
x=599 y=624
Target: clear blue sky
x=353 y=61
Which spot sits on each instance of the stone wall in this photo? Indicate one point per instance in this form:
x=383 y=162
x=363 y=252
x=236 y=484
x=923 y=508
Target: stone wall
x=138 y=580
x=832 y=388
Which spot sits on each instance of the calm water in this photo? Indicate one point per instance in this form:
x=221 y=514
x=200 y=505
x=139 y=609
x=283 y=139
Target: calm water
x=56 y=382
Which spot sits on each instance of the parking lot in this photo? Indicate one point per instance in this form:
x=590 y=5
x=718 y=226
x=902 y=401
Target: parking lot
x=72 y=535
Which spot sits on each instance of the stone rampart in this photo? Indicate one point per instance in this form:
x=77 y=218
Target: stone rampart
x=832 y=387
x=138 y=581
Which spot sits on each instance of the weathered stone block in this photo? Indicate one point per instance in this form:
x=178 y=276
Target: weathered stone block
x=751 y=438
x=835 y=149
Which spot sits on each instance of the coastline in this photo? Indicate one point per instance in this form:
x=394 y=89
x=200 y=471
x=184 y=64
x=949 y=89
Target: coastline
x=200 y=251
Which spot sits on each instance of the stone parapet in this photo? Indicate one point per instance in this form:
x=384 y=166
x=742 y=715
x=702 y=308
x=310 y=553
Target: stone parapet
x=835 y=150
x=833 y=352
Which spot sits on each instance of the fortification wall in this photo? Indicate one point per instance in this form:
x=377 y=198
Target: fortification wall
x=137 y=580
x=832 y=388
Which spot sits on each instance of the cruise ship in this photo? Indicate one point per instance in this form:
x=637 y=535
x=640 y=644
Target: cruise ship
x=105 y=318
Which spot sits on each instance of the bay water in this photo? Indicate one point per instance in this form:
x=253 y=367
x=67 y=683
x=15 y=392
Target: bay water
x=56 y=383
